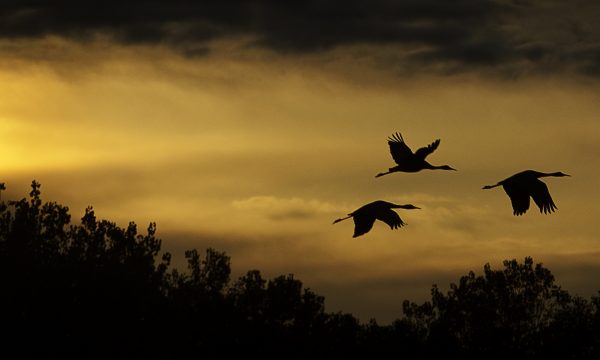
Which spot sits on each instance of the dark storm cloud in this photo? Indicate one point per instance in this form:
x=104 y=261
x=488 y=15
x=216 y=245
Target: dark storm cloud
x=539 y=35
x=281 y=25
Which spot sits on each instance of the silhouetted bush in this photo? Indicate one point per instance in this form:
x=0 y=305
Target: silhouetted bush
x=97 y=290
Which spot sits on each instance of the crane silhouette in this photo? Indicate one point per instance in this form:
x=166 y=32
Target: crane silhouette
x=407 y=160
x=525 y=184
x=365 y=216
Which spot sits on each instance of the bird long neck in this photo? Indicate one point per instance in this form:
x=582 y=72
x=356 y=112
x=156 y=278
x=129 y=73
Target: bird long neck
x=492 y=186
x=342 y=219
x=394 y=206
x=438 y=167
x=558 y=173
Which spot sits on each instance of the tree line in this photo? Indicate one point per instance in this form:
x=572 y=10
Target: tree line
x=96 y=289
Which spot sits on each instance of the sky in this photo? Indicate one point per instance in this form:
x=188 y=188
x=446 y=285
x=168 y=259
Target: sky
x=249 y=126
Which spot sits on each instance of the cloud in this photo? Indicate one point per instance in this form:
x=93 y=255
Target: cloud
x=506 y=37
x=285 y=208
x=292 y=26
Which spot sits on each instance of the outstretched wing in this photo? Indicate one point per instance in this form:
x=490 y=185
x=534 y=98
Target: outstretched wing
x=390 y=217
x=541 y=197
x=398 y=148
x=363 y=223
x=519 y=197
x=426 y=150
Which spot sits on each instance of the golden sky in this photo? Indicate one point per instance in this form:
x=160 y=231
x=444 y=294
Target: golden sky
x=255 y=151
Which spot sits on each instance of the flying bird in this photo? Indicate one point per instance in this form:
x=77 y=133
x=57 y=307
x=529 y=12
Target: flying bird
x=525 y=184
x=407 y=160
x=365 y=216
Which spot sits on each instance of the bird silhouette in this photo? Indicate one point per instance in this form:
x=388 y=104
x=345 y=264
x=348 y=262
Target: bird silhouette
x=365 y=216
x=525 y=184
x=407 y=160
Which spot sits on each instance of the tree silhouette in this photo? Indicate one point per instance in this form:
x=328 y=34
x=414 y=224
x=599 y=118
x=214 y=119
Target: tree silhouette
x=508 y=312
x=98 y=290
x=575 y=331
x=89 y=287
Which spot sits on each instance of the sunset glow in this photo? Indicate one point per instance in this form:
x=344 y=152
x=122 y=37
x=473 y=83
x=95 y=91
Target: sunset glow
x=254 y=150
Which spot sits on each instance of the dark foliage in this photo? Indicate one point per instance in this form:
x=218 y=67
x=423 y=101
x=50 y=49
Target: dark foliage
x=98 y=290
